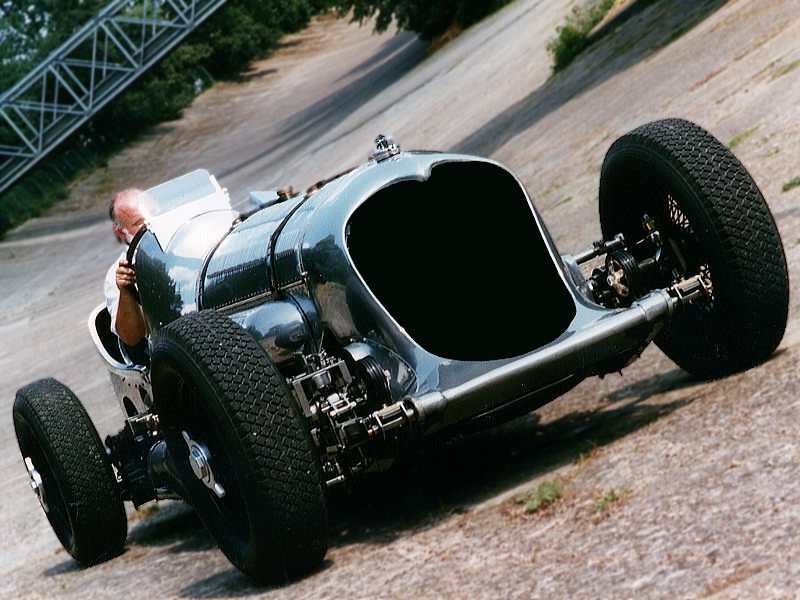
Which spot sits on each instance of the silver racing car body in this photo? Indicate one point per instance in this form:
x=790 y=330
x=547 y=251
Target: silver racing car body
x=436 y=266
x=299 y=345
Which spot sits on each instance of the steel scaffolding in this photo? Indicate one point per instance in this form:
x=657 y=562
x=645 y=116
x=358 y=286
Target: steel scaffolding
x=88 y=71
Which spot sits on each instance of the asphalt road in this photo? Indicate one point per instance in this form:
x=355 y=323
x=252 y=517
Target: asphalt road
x=706 y=473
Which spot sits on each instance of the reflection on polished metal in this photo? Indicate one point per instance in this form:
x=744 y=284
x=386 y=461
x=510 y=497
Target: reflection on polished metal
x=289 y=277
x=321 y=285
x=579 y=354
x=200 y=461
x=36 y=483
x=385 y=147
x=85 y=73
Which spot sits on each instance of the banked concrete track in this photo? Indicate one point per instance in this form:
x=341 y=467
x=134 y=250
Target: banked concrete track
x=707 y=472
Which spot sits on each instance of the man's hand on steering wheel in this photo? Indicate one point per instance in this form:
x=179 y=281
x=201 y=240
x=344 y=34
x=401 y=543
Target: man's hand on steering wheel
x=125 y=276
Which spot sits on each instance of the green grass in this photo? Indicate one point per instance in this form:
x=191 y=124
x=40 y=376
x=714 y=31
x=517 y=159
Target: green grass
x=604 y=501
x=791 y=184
x=786 y=69
x=572 y=37
x=741 y=137
x=547 y=493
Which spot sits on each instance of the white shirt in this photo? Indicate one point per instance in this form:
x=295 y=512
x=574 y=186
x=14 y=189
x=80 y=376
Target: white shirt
x=112 y=292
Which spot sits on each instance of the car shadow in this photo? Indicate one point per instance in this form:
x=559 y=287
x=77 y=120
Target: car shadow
x=453 y=476
x=70 y=565
x=632 y=36
x=675 y=379
x=170 y=523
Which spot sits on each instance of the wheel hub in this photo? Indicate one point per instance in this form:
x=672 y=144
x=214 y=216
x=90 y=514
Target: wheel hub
x=200 y=462
x=36 y=484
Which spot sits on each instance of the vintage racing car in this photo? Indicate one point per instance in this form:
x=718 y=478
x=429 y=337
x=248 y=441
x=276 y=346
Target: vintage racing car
x=316 y=338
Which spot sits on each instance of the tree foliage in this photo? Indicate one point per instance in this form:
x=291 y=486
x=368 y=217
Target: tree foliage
x=239 y=32
x=428 y=18
x=573 y=37
x=219 y=49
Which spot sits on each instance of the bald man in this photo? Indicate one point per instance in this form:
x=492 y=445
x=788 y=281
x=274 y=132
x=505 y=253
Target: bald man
x=127 y=212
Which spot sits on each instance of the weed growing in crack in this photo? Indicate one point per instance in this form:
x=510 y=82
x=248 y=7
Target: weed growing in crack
x=604 y=501
x=547 y=493
x=791 y=184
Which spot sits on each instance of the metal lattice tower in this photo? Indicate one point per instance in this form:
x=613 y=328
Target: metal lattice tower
x=89 y=70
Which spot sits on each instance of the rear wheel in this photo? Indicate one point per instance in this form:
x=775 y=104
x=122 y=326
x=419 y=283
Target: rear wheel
x=714 y=222
x=243 y=449
x=70 y=471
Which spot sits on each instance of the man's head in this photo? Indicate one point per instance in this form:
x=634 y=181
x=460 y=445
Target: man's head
x=128 y=212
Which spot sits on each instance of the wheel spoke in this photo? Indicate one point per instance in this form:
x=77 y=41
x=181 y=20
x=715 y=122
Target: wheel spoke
x=676 y=217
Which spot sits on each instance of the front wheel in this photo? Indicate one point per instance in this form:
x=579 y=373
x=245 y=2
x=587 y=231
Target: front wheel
x=715 y=223
x=242 y=447
x=70 y=471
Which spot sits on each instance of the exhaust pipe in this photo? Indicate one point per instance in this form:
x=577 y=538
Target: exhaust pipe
x=580 y=353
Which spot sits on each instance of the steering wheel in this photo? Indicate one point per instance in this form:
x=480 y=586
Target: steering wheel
x=129 y=256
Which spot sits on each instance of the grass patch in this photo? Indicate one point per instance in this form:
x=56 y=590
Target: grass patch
x=786 y=69
x=604 y=501
x=543 y=496
x=572 y=37
x=791 y=184
x=741 y=137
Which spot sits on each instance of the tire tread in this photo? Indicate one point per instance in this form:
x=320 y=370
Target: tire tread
x=276 y=438
x=84 y=471
x=755 y=278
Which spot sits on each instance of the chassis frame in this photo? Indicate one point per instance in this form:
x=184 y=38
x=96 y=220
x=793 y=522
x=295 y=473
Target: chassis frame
x=406 y=391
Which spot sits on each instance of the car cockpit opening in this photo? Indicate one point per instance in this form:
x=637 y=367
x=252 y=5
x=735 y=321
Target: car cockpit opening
x=459 y=261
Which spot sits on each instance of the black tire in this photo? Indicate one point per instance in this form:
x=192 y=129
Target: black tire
x=212 y=380
x=80 y=489
x=704 y=199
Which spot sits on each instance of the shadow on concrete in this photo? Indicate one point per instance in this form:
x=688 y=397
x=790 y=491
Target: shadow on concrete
x=69 y=565
x=639 y=31
x=170 y=524
x=455 y=475
x=253 y=75
x=388 y=49
x=230 y=583
x=675 y=379
x=44 y=226
x=309 y=124
x=288 y=44
x=449 y=477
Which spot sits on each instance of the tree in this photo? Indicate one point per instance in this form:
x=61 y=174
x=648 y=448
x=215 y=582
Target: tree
x=428 y=18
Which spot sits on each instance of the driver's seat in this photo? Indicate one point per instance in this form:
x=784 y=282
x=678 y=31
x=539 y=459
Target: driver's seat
x=115 y=347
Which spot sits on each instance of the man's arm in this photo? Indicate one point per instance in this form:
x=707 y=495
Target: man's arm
x=130 y=323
